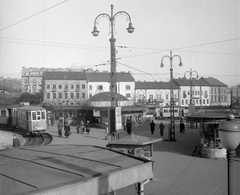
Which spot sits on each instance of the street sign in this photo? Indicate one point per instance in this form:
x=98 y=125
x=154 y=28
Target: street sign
x=118 y=118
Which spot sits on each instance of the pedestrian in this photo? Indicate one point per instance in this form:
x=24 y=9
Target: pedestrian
x=87 y=127
x=67 y=131
x=182 y=127
x=161 y=127
x=60 y=127
x=52 y=119
x=77 y=128
x=152 y=127
x=82 y=126
x=16 y=141
x=129 y=126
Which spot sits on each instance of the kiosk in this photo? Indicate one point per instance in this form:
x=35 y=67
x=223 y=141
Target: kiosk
x=136 y=145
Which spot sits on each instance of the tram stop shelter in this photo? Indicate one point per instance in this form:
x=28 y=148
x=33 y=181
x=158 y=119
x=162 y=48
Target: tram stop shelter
x=70 y=169
x=136 y=145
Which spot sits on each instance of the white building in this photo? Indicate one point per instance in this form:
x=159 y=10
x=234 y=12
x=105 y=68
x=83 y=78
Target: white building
x=200 y=92
x=156 y=92
x=65 y=88
x=100 y=82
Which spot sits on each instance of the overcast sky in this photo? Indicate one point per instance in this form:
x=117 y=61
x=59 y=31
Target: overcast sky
x=57 y=33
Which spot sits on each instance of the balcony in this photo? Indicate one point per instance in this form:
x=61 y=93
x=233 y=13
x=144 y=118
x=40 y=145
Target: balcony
x=54 y=90
x=65 y=89
x=77 y=89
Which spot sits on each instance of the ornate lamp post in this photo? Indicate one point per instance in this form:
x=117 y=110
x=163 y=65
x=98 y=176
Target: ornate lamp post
x=191 y=73
x=172 y=122
x=112 y=40
x=229 y=133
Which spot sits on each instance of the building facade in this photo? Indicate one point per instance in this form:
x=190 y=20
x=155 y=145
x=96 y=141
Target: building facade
x=65 y=88
x=219 y=92
x=156 y=93
x=100 y=82
x=199 y=89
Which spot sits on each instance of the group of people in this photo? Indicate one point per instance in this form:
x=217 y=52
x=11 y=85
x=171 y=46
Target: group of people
x=162 y=127
x=63 y=123
x=83 y=127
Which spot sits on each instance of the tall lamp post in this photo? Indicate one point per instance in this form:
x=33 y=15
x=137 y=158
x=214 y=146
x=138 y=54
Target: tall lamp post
x=229 y=133
x=191 y=73
x=112 y=40
x=172 y=122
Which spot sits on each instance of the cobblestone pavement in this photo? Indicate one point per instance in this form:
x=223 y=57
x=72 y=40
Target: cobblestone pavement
x=176 y=170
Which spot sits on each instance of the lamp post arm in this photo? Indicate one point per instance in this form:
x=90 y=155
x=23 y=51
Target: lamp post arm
x=100 y=16
x=123 y=13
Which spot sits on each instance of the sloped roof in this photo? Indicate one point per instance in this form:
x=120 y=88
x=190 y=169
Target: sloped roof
x=106 y=96
x=214 y=82
x=195 y=82
x=60 y=75
x=105 y=77
x=154 y=85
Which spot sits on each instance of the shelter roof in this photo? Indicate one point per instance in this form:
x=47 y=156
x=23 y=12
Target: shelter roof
x=106 y=96
x=154 y=85
x=69 y=169
x=134 y=140
x=64 y=75
x=105 y=77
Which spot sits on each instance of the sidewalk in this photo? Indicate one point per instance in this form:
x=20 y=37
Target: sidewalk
x=176 y=171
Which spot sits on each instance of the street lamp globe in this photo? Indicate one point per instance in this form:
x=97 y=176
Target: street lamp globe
x=95 y=32
x=180 y=64
x=229 y=133
x=130 y=28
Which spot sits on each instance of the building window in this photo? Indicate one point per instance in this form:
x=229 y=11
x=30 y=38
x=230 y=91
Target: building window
x=25 y=81
x=90 y=87
x=166 y=96
x=203 y=101
x=26 y=87
x=34 y=87
x=71 y=86
x=48 y=86
x=77 y=95
x=83 y=86
x=128 y=95
x=34 y=81
x=66 y=87
x=77 y=87
x=59 y=86
x=48 y=95
x=186 y=102
x=54 y=95
x=71 y=95
x=182 y=102
x=100 y=87
x=60 y=95
x=83 y=95
x=128 y=87
x=66 y=95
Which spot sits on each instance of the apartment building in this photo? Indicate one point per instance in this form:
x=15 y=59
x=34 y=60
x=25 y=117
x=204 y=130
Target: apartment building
x=199 y=89
x=65 y=88
x=219 y=92
x=156 y=92
x=100 y=82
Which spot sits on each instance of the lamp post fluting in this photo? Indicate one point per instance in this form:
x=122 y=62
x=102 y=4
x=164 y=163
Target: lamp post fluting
x=229 y=133
x=191 y=73
x=113 y=87
x=172 y=120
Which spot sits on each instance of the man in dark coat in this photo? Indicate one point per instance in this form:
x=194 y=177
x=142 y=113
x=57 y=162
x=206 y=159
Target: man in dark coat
x=129 y=126
x=152 y=127
x=182 y=127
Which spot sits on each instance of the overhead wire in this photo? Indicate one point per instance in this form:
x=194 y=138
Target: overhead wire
x=33 y=15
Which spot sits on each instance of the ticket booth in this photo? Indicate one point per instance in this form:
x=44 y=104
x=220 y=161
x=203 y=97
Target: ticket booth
x=210 y=141
x=135 y=145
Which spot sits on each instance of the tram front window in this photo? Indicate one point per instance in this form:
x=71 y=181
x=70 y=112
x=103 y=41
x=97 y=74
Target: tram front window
x=34 y=116
x=43 y=115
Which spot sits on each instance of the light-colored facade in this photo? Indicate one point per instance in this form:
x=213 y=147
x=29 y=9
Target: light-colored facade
x=219 y=92
x=65 y=88
x=100 y=82
x=155 y=92
x=32 y=82
x=200 y=92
